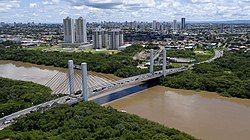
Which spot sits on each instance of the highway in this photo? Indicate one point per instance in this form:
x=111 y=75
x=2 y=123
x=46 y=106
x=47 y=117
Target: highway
x=97 y=90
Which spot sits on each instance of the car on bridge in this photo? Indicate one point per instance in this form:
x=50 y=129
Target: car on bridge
x=78 y=92
x=97 y=89
x=6 y=122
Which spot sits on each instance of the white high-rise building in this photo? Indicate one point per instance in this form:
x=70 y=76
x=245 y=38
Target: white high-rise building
x=100 y=39
x=121 y=42
x=81 y=32
x=97 y=39
x=115 y=39
x=175 y=25
x=69 y=30
x=105 y=39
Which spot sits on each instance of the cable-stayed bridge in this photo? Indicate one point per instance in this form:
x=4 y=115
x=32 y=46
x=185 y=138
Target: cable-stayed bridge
x=80 y=85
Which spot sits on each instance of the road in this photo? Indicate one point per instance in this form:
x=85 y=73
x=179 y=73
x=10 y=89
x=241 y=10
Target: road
x=7 y=120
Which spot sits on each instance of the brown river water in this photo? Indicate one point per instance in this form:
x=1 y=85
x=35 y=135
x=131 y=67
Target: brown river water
x=204 y=115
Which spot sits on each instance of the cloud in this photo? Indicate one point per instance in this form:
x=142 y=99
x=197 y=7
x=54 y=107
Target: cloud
x=33 y=5
x=201 y=1
x=101 y=4
x=51 y=2
x=6 y=5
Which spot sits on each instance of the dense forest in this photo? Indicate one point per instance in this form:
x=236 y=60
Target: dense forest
x=88 y=121
x=117 y=63
x=17 y=95
x=228 y=76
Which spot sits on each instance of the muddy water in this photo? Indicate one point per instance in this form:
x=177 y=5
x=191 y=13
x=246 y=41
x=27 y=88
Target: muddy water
x=44 y=74
x=202 y=114
x=27 y=72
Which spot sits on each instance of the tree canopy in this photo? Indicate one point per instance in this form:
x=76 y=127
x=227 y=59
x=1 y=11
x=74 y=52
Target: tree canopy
x=17 y=95
x=228 y=76
x=88 y=121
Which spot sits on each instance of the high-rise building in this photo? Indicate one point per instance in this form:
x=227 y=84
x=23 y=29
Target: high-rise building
x=105 y=39
x=133 y=25
x=231 y=28
x=81 y=32
x=222 y=28
x=154 y=25
x=69 y=30
x=115 y=39
x=183 y=23
x=174 y=25
x=97 y=39
x=121 y=42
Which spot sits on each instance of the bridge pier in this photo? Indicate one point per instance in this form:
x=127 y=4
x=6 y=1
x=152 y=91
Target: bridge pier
x=84 y=82
x=164 y=65
x=71 y=76
x=152 y=61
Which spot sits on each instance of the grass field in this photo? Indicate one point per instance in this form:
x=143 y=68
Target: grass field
x=60 y=49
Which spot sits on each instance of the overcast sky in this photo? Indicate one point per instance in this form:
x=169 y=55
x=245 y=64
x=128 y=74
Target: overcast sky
x=53 y=11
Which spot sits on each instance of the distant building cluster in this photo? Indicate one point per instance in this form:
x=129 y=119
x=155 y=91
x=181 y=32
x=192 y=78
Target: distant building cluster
x=75 y=31
x=111 y=39
x=75 y=34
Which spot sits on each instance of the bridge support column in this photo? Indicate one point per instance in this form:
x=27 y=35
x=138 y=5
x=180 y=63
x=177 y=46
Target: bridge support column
x=71 y=76
x=164 y=65
x=152 y=61
x=84 y=82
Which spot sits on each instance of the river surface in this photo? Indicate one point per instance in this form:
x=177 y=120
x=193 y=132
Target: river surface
x=204 y=115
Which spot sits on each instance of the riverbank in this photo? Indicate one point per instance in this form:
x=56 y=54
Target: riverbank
x=228 y=76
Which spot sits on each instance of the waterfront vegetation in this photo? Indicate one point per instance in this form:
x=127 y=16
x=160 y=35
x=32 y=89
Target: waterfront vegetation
x=105 y=63
x=228 y=76
x=88 y=121
x=17 y=95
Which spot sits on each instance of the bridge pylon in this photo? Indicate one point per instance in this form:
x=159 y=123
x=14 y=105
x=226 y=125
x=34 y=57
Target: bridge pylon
x=84 y=82
x=71 y=76
x=152 y=61
x=164 y=65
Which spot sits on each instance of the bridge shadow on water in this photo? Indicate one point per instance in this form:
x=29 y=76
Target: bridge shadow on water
x=127 y=91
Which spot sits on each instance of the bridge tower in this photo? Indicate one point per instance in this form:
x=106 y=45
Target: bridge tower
x=71 y=76
x=152 y=61
x=84 y=82
x=164 y=65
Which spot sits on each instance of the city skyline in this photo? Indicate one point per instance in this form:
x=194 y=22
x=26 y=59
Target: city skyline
x=53 y=11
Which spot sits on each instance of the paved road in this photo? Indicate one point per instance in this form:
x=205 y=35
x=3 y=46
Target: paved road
x=7 y=120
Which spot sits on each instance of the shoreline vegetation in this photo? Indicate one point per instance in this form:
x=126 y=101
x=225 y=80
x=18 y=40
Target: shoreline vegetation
x=89 y=121
x=228 y=76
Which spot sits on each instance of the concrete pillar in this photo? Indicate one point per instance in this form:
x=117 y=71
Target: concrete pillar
x=84 y=82
x=152 y=61
x=71 y=76
x=164 y=65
